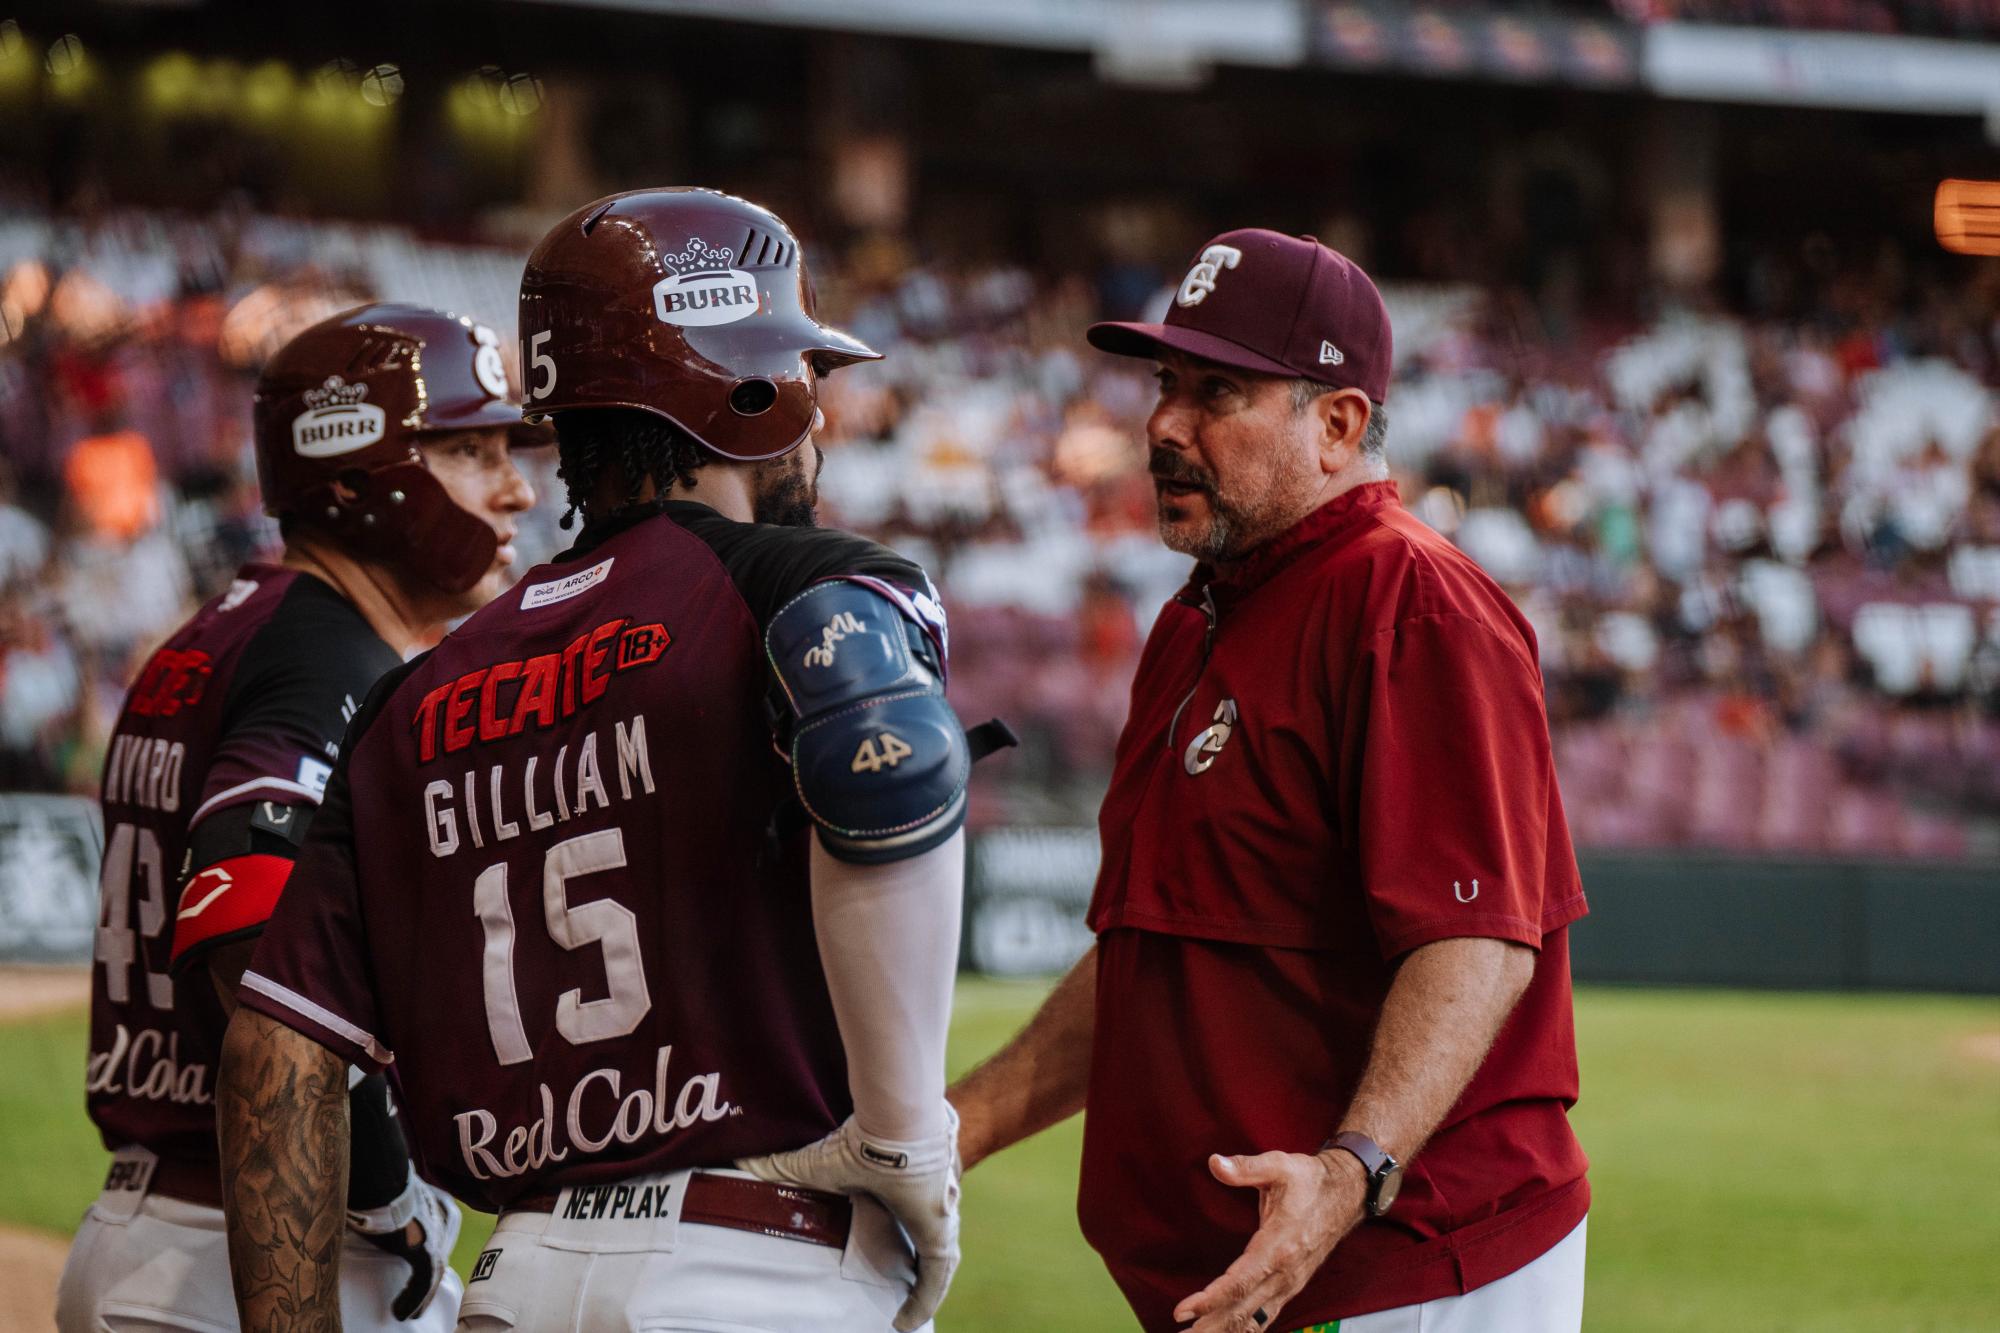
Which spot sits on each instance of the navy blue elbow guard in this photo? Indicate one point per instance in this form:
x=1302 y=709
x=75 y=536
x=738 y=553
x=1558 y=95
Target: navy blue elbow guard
x=878 y=757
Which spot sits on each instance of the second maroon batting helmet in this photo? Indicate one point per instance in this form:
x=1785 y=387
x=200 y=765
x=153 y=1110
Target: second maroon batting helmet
x=338 y=414
x=690 y=304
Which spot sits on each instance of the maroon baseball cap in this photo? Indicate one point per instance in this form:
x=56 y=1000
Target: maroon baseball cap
x=1279 y=305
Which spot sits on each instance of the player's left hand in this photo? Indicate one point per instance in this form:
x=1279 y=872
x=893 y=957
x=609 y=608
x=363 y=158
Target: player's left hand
x=419 y=1227
x=917 y=1180
x=1305 y=1205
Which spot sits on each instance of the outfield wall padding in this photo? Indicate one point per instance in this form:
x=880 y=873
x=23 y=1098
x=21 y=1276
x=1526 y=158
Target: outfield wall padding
x=1657 y=918
x=1710 y=920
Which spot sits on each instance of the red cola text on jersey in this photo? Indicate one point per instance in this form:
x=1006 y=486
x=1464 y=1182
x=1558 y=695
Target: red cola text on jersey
x=507 y=698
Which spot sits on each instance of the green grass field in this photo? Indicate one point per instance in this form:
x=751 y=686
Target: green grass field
x=1760 y=1162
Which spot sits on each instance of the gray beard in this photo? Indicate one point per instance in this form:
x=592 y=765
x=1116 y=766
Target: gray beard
x=1214 y=542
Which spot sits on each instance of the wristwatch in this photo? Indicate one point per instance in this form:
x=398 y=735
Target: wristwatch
x=1385 y=1173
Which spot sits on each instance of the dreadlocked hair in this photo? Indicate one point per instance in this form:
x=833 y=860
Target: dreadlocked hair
x=626 y=445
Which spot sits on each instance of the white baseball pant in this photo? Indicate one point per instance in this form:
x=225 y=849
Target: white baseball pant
x=1543 y=1296
x=161 y=1265
x=543 y=1272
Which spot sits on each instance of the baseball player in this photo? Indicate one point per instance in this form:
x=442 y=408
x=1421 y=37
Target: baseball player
x=382 y=440
x=564 y=884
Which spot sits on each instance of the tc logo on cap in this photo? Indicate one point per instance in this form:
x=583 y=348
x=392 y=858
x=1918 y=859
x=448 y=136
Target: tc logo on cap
x=1200 y=280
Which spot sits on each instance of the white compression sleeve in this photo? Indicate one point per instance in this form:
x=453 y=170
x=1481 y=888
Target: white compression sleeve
x=888 y=940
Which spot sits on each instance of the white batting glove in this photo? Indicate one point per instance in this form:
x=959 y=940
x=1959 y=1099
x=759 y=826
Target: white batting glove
x=429 y=1255
x=917 y=1181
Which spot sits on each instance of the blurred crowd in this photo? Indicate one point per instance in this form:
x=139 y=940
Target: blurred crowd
x=1761 y=547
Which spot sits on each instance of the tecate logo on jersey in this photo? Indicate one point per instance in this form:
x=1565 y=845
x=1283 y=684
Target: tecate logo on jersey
x=597 y=1113
x=336 y=420
x=174 y=678
x=702 y=289
x=508 y=698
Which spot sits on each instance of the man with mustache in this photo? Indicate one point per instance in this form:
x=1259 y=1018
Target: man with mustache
x=383 y=440
x=1325 y=1035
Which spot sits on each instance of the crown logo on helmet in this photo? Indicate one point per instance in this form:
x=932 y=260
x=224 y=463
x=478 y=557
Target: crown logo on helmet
x=336 y=392
x=702 y=289
x=699 y=258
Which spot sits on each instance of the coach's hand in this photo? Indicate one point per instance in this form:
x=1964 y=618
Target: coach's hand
x=1305 y=1205
x=917 y=1181
x=419 y=1227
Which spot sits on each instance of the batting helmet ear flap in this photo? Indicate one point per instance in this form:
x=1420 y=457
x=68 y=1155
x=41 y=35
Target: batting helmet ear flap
x=386 y=513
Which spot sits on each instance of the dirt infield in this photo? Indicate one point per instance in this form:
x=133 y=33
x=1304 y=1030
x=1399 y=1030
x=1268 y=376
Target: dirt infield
x=1983 y=1047
x=30 y=1263
x=29 y=990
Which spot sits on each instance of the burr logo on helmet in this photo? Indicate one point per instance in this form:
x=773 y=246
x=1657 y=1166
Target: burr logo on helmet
x=336 y=420
x=702 y=288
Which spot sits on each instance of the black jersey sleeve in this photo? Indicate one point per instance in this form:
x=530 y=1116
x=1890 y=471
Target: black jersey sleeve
x=300 y=681
x=771 y=565
x=311 y=970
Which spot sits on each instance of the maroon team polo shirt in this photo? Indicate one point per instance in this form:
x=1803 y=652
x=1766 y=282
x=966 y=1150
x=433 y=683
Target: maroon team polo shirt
x=1386 y=782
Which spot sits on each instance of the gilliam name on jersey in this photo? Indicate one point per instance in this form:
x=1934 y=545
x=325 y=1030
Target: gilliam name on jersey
x=507 y=698
x=495 y=802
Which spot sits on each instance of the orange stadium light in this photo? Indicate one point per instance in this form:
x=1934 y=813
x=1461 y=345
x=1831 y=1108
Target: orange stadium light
x=1968 y=217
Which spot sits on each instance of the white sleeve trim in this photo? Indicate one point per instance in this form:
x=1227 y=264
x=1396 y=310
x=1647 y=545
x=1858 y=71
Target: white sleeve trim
x=276 y=784
x=319 y=1014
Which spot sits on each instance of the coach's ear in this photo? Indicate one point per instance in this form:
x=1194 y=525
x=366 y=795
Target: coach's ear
x=1341 y=418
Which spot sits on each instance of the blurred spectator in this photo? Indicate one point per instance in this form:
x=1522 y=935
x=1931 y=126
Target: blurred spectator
x=115 y=484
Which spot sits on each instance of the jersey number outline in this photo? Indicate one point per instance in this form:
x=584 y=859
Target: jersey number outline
x=605 y=922
x=115 y=943
x=869 y=759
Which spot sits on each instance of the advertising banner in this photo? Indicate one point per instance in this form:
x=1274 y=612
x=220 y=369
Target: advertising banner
x=49 y=852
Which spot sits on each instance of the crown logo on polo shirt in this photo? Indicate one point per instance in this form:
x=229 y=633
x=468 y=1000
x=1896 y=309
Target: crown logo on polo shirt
x=336 y=392
x=1200 y=279
x=1329 y=355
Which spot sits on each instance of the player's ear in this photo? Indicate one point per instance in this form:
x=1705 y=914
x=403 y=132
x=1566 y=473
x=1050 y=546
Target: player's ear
x=1340 y=419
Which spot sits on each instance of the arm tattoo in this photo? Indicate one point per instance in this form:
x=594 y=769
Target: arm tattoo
x=281 y=1112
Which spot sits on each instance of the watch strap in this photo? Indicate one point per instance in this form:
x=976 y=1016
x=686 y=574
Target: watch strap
x=1365 y=1150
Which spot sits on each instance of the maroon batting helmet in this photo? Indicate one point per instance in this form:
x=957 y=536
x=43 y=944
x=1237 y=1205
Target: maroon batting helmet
x=339 y=411
x=690 y=304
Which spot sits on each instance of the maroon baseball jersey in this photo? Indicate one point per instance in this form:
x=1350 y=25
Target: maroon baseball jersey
x=1334 y=756
x=550 y=882
x=245 y=703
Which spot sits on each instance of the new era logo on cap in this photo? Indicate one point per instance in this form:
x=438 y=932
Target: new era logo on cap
x=1264 y=302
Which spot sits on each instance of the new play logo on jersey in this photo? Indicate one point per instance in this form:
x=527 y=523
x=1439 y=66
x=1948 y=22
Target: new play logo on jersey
x=336 y=420
x=702 y=288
